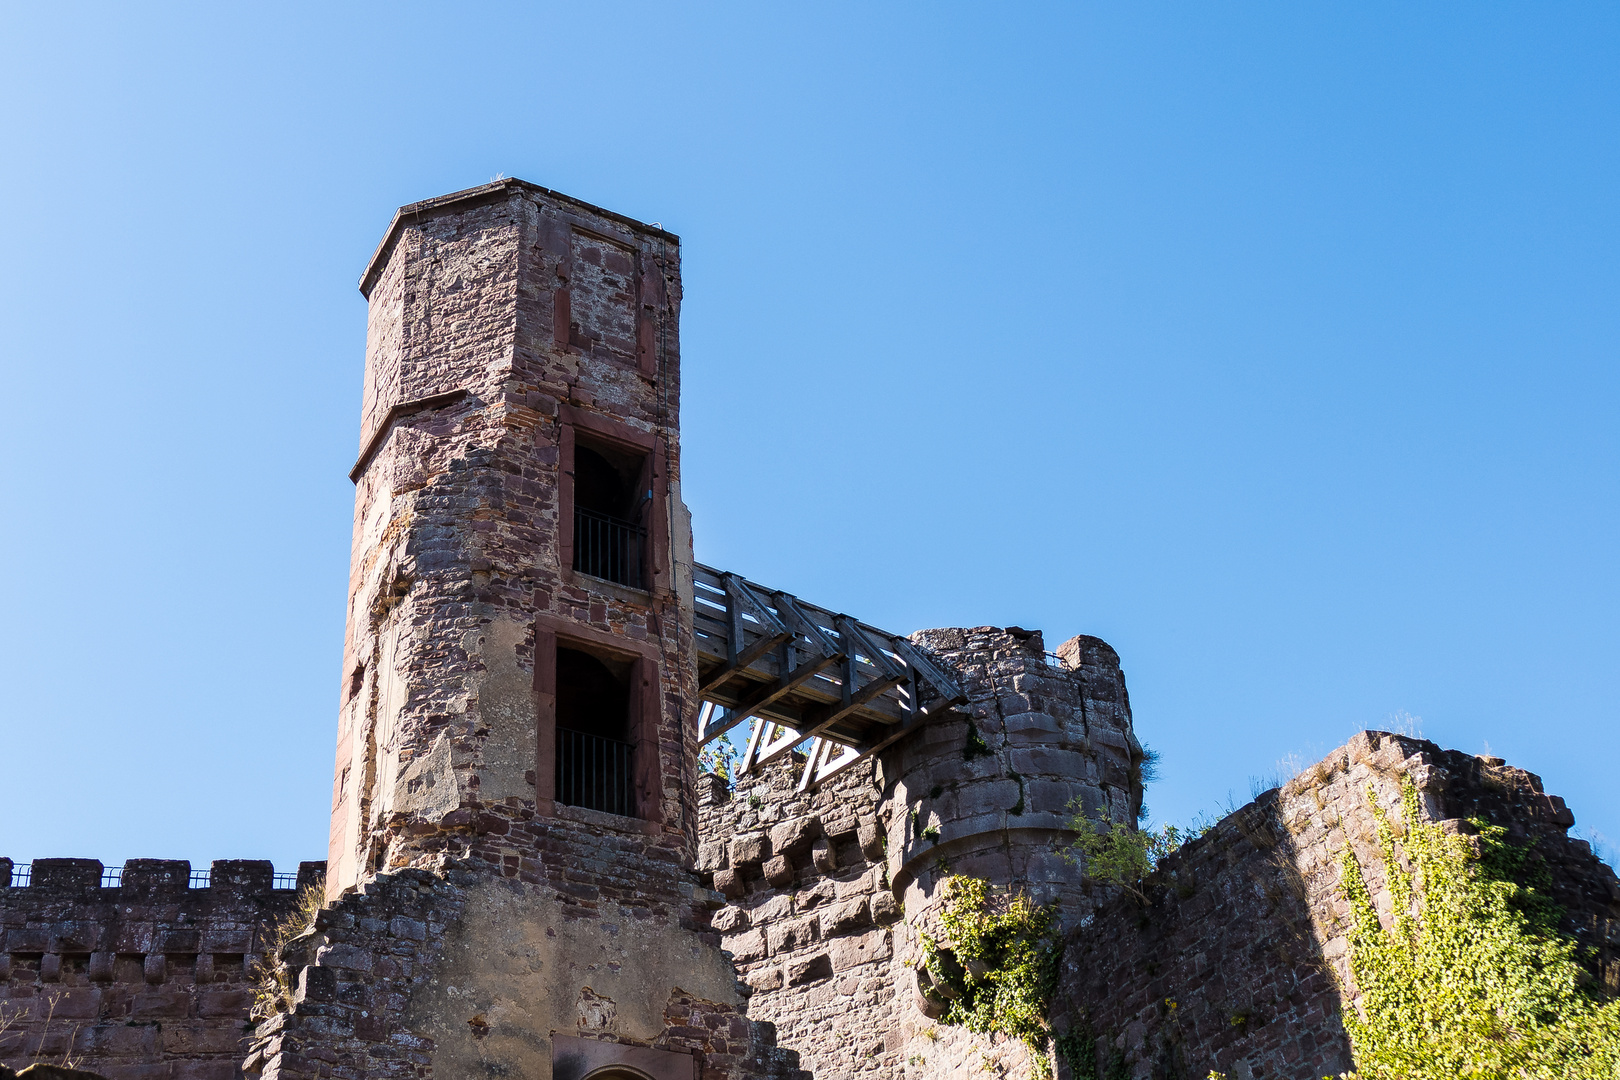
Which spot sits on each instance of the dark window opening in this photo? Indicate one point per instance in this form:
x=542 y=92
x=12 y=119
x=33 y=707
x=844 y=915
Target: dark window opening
x=595 y=757
x=612 y=492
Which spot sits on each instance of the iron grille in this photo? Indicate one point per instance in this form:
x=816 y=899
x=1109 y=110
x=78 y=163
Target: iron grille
x=21 y=875
x=284 y=881
x=595 y=773
x=608 y=548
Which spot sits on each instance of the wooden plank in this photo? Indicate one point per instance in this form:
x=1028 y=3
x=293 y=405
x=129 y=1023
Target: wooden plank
x=832 y=714
x=850 y=628
x=785 y=684
x=936 y=678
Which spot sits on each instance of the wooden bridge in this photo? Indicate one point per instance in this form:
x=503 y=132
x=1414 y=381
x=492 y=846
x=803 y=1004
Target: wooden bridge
x=802 y=673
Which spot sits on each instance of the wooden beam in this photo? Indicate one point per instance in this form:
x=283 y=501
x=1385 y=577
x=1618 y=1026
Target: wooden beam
x=785 y=684
x=745 y=659
x=805 y=625
x=926 y=668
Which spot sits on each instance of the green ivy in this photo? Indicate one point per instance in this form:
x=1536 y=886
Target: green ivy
x=999 y=964
x=1472 y=980
x=1079 y=1049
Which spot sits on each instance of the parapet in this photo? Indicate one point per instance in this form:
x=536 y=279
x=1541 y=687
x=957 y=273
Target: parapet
x=126 y=969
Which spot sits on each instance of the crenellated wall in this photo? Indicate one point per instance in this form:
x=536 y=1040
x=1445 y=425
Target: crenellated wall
x=149 y=979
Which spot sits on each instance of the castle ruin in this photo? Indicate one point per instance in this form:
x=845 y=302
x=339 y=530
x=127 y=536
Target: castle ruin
x=527 y=873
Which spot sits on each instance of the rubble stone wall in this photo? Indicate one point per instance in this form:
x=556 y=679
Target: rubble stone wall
x=1240 y=962
x=146 y=981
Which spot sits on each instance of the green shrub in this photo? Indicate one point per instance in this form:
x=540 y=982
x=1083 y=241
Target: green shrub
x=1114 y=853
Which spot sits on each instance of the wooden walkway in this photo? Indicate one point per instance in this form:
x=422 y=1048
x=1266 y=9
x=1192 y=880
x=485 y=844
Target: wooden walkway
x=802 y=673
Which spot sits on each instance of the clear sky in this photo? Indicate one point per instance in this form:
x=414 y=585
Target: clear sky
x=1273 y=343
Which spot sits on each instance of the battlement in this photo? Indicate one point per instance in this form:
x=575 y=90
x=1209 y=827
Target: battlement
x=146 y=966
x=153 y=876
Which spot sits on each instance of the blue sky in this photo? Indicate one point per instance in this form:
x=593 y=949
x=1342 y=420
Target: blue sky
x=1273 y=343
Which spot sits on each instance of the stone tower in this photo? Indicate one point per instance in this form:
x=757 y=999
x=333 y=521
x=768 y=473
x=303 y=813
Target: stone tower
x=513 y=823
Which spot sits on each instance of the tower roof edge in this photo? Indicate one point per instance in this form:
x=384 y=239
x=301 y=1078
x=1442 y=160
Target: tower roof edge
x=461 y=200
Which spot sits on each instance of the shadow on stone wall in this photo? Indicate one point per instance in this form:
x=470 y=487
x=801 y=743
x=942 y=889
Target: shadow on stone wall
x=1221 y=971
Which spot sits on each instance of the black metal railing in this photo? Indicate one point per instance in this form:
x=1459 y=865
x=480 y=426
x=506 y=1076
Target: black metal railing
x=608 y=548
x=595 y=773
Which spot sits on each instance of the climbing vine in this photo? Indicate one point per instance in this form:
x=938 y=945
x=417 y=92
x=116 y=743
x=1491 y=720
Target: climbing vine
x=998 y=965
x=1472 y=979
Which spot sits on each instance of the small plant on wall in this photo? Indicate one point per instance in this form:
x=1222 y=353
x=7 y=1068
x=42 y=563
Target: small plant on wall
x=997 y=966
x=1116 y=854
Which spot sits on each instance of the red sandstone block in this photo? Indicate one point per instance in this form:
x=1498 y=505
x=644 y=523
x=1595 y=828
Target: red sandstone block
x=71 y=1003
x=222 y=1003
x=160 y=1005
x=124 y=1040
x=199 y=1038
x=143 y=1070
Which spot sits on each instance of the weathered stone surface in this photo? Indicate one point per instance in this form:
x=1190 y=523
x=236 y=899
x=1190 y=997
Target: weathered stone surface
x=845 y=917
x=750 y=849
x=808 y=970
x=778 y=871
x=729 y=883
x=115 y=971
x=795 y=835
x=823 y=857
x=1253 y=913
x=871 y=841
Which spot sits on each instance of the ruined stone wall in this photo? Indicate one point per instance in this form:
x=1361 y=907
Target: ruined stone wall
x=145 y=981
x=829 y=891
x=1240 y=961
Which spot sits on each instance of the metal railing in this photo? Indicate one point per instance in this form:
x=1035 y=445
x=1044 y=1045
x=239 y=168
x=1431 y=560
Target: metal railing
x=595 y=773
x=112 y=877
x=608 y=548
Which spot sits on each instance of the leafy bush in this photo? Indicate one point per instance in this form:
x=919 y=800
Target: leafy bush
x=1114 y=853
x=719 y=758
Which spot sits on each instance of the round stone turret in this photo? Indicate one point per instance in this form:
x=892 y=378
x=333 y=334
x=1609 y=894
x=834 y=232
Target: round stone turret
x=991 y=795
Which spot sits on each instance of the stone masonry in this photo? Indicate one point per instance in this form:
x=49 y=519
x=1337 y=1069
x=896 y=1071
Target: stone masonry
x=828 y=891
x=150 y=978
x=527 y=875
x=513 y=331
